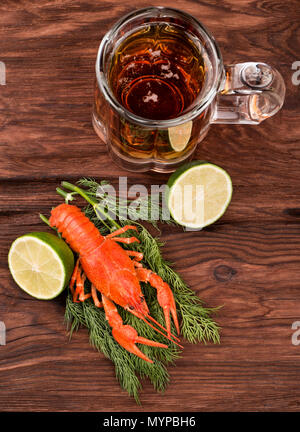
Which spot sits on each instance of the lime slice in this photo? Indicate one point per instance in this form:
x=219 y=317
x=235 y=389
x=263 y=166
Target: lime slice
x=199 y=193
x=41 y=264
x=180 y=135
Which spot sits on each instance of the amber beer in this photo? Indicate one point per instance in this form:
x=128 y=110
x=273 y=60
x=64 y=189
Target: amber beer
x=156 y=73
x=160 y=84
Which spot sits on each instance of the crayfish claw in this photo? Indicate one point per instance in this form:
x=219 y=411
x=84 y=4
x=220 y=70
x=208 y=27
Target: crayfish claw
x=164 y=296
x=175 y=319
x=127 y=337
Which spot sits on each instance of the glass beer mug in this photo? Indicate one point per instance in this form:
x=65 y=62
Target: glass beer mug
x=161 y=82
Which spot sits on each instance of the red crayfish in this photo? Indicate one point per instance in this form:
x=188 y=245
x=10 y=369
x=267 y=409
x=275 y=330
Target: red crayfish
x=115 y=275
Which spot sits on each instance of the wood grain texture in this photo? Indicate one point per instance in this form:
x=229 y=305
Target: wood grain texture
x=249 y=261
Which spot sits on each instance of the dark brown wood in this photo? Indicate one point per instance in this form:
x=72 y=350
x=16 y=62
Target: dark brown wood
x=249 y=261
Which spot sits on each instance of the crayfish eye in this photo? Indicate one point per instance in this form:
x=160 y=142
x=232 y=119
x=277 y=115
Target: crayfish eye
x=142 y=299
x=131 y=307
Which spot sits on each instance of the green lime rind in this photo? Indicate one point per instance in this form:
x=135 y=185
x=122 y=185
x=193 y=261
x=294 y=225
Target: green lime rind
x=62 y=251
x=175 y=177
x=180 y=135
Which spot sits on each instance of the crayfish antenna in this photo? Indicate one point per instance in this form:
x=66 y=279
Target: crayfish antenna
x=142 y=317
x=157 y=323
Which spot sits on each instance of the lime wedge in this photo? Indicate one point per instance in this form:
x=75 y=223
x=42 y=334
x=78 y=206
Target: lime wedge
x=41 y=264
x=180 y=135
x=199 y=193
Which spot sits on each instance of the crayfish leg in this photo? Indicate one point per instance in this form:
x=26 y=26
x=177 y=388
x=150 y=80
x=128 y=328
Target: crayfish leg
x=77 y=284
x=74 y=276
x=80 y=283
x=121 y=231
x=126 y=240
x=138 y=256
x=97 y=302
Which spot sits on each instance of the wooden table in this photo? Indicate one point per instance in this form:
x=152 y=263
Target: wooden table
x=249 y=261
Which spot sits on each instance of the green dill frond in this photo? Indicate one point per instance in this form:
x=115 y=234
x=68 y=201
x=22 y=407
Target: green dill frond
x=197 y=324
x=144 y=208
x=127 y=366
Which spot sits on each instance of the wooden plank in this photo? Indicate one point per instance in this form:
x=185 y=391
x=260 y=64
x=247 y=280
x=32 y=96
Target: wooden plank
x=248 y=261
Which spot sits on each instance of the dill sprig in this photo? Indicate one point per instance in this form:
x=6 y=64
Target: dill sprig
x=143 y=208
x=197 y=324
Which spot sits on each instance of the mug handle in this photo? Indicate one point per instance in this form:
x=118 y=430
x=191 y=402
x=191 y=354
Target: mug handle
x=252 y=92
